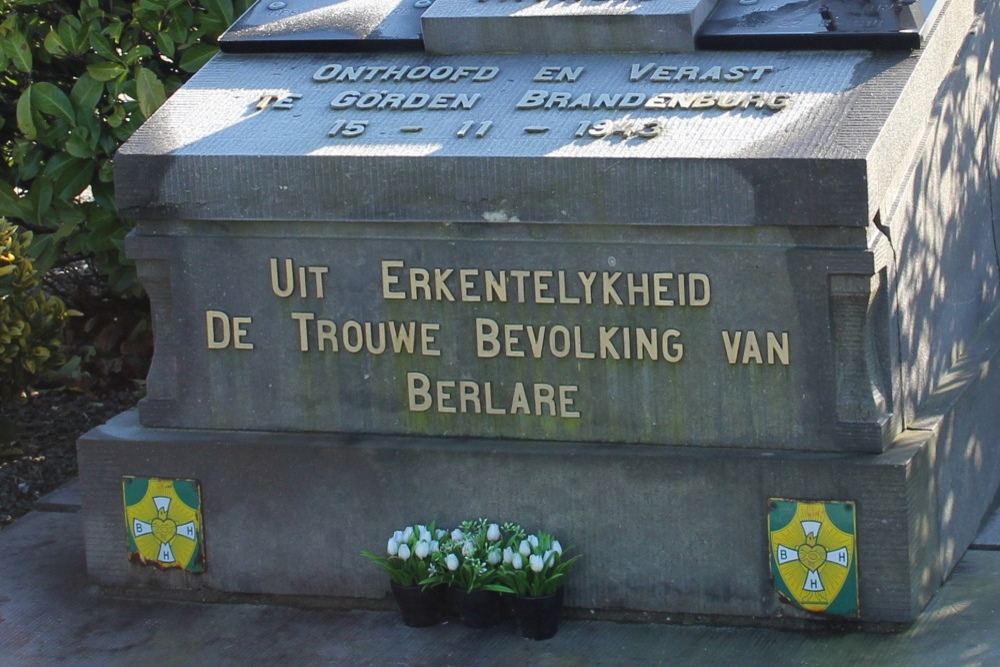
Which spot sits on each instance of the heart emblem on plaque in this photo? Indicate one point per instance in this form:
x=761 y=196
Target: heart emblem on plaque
x=812 y=556
x=164 y=529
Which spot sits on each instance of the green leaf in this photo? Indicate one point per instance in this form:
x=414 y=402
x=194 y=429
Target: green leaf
x=17 y=49
x=165 y=44
x=79 y=146
x=25 y=119
x=10 y=204
x=150 y=92
x=101 y=45
x=73 y=35
x=53 y=44
x=196 y=56
x=106 y=71
x=73 y=182
x=86 y=93
x=219 y=9
x=48 y=98
x=41 y=199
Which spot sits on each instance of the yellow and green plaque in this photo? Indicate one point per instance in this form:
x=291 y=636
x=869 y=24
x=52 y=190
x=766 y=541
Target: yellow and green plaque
x=814 y=555
x=164 y=525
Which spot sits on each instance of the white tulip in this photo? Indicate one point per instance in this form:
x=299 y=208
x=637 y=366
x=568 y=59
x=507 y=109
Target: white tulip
x=468 y=549
x=423 y=534
x=404 y=551
x=494 y=557
x=508 y=555
x=398 y=536
x=422 y=549
x=516 y=561
x=407 y=534
x=536 y=562
x=533 y=540
x=557 y=547
x=550 y=557
x=435 y=546
x=493 y=533
x=451 y=561
x=392 y=547
x=524 y=548
x=457 y=534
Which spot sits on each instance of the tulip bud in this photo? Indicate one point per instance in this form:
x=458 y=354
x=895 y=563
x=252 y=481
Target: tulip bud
x=451 y=561
x=457 y=534
x=516 y=561
x=392 y=547
x=536 y=562
x=508 y=555
x=398 y=536
x=494 y=557
x=533 y=540
x=549 y=558
x=404 y=551
x=557 y=547
x=493 y=533
x=422 y=549
x=435 y=546
x=524 y=548
x=407 y=534
x=468 y=549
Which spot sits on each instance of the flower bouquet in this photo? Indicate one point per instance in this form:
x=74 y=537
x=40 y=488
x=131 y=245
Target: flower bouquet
x=408 y=561
x=533 y=572
x=468 y=562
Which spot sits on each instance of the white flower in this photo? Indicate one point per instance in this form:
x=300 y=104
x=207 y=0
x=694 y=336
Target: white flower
x=494 y=557
x=424 y=535
x=516 y=561
x=439 y=533
x=457 y=534
x=533 y=540
x=550 y=557
x=468 y=549
x=398 y=536
x=508 y=555
x=451 y=560
x=493 y=533
x=407 y=534
x=392 y=547
x=422 y=549
x=557 y=547
x=524 y=549
x=435 y=546
x=404 y=551
x=536 y=562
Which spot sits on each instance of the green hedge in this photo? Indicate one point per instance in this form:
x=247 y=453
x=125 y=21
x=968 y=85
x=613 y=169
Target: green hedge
x=78 y=77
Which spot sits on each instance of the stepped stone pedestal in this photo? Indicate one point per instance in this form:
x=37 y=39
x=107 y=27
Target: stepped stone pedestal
x=724 y=321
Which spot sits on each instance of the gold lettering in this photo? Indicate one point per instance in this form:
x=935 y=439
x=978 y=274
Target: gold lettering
x=487 y=335
x=427 y=339
x=388 y=280
x=777 y=350
x=417 y=392
x=465 y=283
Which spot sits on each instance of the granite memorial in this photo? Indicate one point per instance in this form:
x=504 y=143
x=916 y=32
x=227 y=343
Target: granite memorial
x=710 y=288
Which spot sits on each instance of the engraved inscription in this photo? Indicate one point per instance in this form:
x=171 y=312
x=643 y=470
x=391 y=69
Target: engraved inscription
x=609 y=334
x=385 y=73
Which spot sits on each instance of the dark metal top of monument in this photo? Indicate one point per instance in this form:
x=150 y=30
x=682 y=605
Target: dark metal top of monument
x=539 y=26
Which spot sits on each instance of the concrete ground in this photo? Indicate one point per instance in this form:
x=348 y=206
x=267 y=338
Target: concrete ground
x=50 y=614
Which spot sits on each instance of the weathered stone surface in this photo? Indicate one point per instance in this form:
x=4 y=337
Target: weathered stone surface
x=847 y=206
x=562 y=26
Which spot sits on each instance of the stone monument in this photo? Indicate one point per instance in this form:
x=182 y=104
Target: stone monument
x=708 y=288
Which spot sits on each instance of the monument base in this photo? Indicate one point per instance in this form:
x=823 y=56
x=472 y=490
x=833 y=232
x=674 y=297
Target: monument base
x=661 y=529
